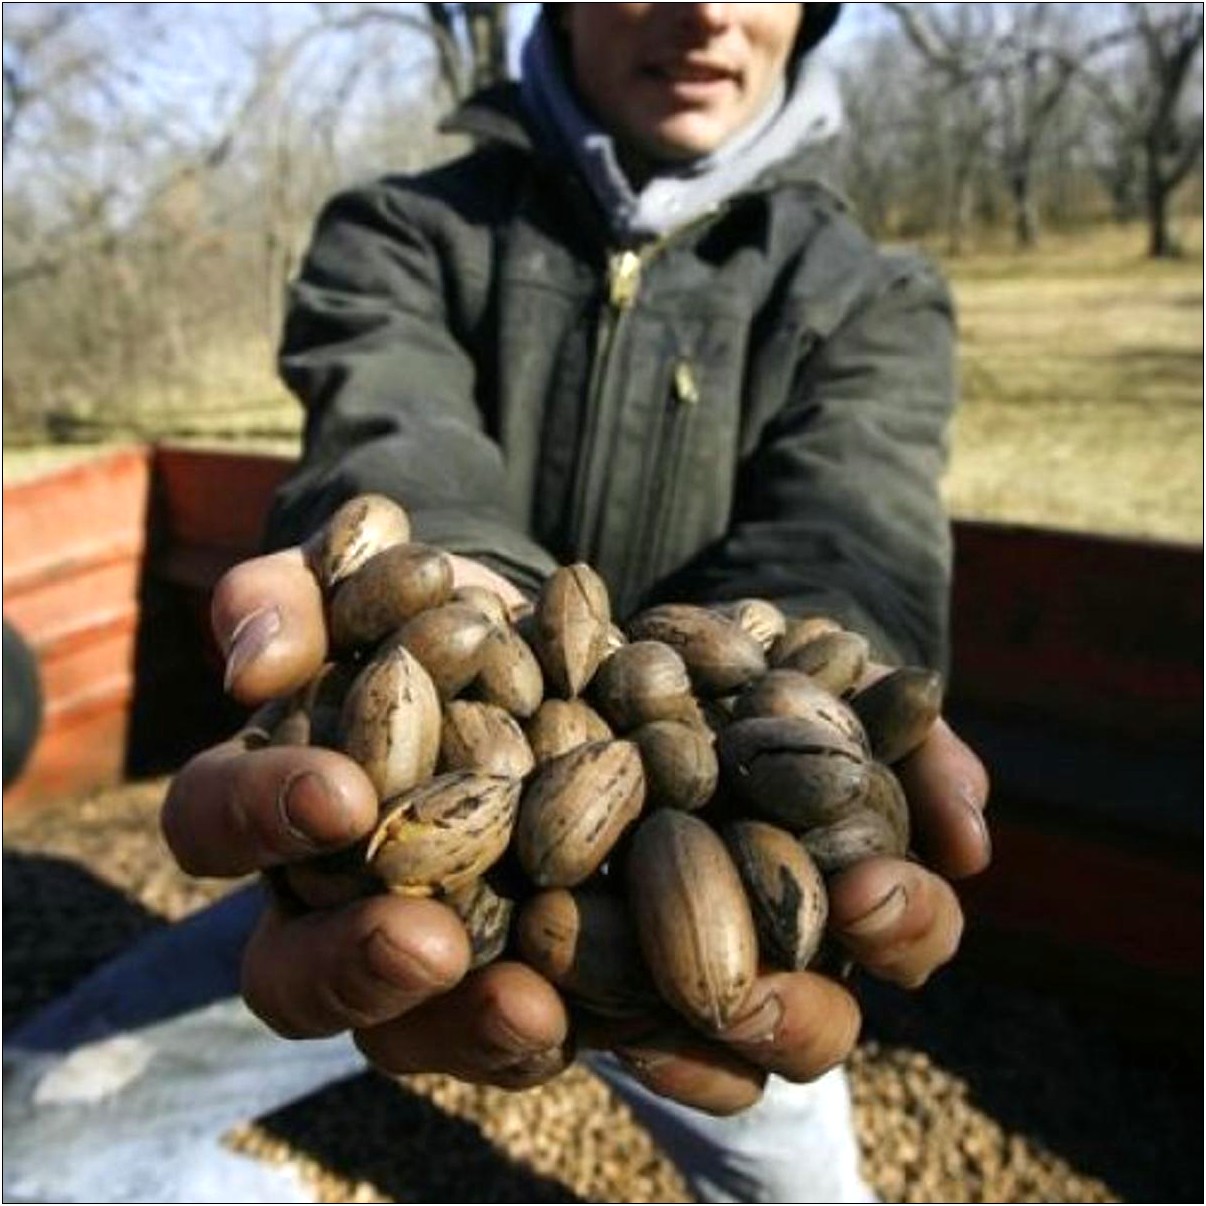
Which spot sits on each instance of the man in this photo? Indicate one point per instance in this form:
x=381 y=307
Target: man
x=632 y=329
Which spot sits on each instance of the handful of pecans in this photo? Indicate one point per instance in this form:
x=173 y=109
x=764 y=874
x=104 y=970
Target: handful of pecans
x=645 y=815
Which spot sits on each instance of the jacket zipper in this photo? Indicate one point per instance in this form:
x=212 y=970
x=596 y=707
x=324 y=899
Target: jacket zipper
x=623 y=284
x=680 y=406
x=625 y=270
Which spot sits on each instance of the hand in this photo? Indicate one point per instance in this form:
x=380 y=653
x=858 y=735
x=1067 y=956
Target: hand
x=898 y=919
x=394 y=971
x=389 y=969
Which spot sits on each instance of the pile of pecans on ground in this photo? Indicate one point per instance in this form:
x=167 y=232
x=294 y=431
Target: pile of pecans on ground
x=963 y=1092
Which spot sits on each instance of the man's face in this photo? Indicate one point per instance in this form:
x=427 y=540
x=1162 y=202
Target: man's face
x=675 y=81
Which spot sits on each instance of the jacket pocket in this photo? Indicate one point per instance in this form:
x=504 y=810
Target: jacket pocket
x=672 y=440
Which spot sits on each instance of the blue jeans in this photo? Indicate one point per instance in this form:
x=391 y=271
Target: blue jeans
x=122 y=1090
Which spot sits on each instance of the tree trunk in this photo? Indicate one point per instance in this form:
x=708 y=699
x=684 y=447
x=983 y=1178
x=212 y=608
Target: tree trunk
x=487 y=25
x=1160 y=241
x=959 y=217
x=1026 y=223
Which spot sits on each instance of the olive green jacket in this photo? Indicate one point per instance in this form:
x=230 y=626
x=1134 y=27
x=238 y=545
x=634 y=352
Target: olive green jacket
x=756 y=404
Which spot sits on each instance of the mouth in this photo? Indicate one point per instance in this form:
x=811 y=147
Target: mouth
x=690 y=76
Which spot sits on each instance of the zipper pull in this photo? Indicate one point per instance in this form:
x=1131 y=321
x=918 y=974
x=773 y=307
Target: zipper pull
x=623 y=279
x=686 y=388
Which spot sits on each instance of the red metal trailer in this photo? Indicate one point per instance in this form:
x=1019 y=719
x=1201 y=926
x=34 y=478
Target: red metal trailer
x=1077 y=675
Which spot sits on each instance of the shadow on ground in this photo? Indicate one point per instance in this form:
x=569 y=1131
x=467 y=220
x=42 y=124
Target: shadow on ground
x=61 y=922
x=1128 y=1115
x=369 y=1129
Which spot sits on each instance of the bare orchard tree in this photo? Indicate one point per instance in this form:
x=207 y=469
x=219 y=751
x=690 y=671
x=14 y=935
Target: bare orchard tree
x=872 y=160
x=71 y=138
x=1154 y=110
x=1017 y=66
x=473 y=40
x=1033 y=82
x=31 y=75
x=927 y=117
x=157 y=196
x=93 y=145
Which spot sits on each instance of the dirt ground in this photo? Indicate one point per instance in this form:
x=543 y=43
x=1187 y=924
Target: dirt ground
x=965 y=1091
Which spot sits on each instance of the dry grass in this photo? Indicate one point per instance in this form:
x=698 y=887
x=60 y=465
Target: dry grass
x=1082 y=384
x=1082 y=388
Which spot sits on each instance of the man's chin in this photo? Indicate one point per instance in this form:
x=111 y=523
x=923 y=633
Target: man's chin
x=683 y=139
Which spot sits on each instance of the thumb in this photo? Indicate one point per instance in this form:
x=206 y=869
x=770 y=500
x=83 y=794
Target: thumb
x=267 y=617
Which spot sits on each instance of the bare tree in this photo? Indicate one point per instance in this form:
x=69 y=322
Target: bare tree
x=91 y=140
x=487 y=25
x=872 y=160
x=157 y=196
x=1033 y=81
x=473 y=41
x=28 y=77
x=1016 y=64
x=1150 y=105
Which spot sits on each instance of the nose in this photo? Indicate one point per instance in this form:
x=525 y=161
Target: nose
x=709 y=17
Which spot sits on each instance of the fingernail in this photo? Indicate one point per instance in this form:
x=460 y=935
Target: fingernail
x=503 y=1044
x=642 y=1059
x=312 y=814
x=979 y=820
x=881 y=916
x=538 y=1064
x=760 y=1026
x=401 y=968
x=252 y=635
x=651 y=1050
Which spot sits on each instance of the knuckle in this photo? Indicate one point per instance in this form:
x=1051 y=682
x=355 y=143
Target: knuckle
x=256 y=826
x=177 y=828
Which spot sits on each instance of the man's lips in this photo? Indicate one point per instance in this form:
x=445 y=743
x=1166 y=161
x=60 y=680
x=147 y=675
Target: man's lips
x=692 y=86
x=692 y=73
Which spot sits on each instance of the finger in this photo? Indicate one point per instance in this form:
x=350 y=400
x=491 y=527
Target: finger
x=947 y=788
x=694 y=1071
x=898 y=920
x=267 y=617
x=325 y=972
x=466 y=572
x=503 y=1025
x=231 y=810
x=796 y=1024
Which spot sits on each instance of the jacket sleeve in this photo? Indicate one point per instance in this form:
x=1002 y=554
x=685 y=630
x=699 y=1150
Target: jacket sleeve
x=838 y=508
x=388 y=384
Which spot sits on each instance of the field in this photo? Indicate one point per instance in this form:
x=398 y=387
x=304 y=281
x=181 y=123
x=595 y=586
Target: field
x=1082 y=388
x=1081 y=369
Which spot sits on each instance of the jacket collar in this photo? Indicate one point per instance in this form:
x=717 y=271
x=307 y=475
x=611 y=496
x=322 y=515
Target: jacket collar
x=497 y=115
